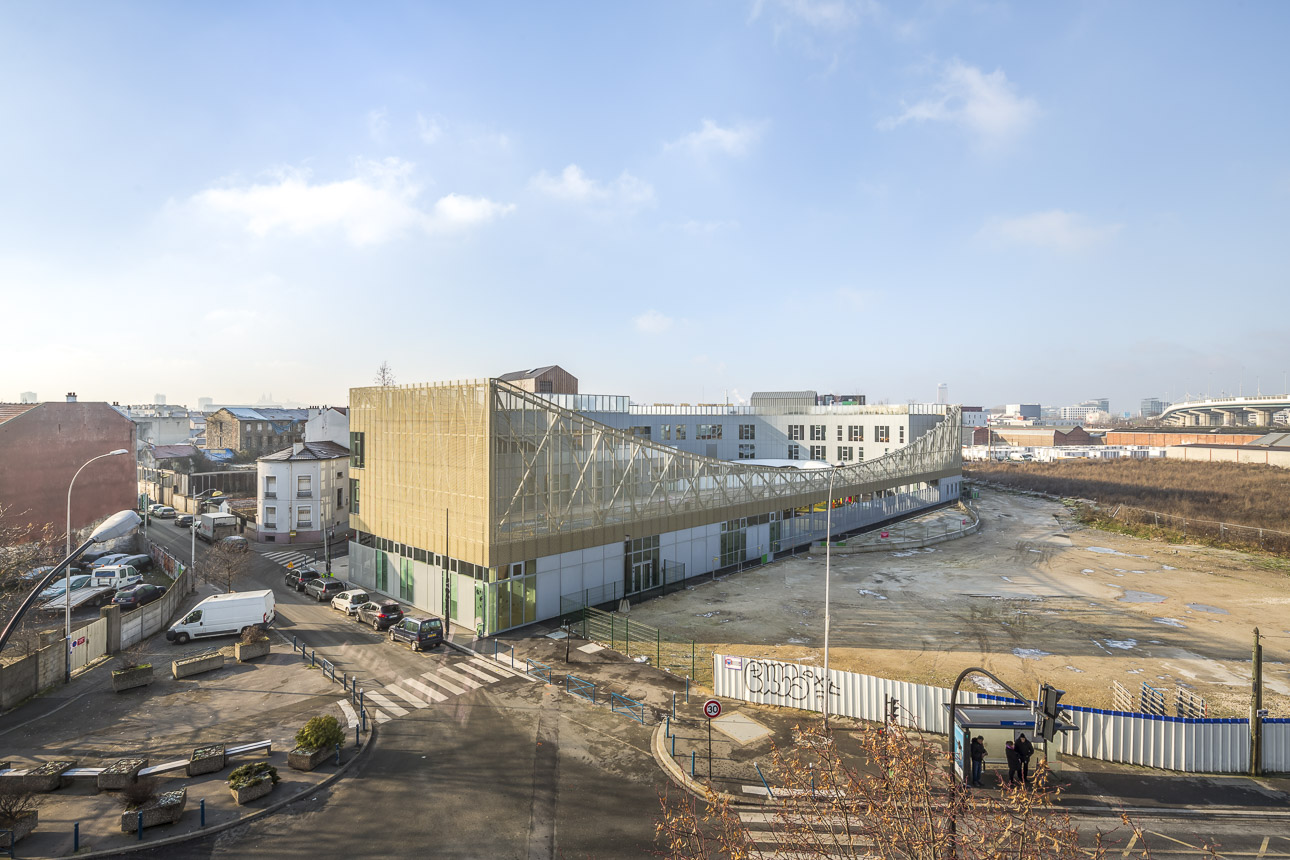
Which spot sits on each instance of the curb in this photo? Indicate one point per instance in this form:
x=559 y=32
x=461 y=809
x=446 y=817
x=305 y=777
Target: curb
x=246 y=819
x=490 y=661
x=677 y=774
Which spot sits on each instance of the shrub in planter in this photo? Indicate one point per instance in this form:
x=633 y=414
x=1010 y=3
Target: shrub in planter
x=165 y=808
x=18 y=812
x=254 y=643
x=252 y=781
x=45 y=777
x=316 y=740
x=207 y=759
x=121 y=773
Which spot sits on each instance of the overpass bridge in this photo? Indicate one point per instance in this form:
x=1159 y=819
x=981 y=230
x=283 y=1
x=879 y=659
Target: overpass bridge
x=1256 y=410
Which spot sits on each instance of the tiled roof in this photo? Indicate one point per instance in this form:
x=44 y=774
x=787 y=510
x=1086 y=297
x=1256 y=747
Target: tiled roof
x=310 y=451
x=13 y=410
x=169 y=452
x=269 y=414
x=525 y=374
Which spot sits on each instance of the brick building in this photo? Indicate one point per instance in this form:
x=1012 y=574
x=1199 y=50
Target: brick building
x=1032 y=436
x=255 y=431
x=42 y=445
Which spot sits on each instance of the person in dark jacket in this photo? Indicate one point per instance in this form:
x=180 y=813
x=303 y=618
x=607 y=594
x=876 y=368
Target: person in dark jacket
x=1014 y=764
x=978 y=752
x=1025 y=749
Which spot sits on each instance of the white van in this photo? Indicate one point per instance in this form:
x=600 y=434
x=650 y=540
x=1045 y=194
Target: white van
x=223 y=615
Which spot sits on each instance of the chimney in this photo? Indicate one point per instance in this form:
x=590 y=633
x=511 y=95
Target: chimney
x=297 y=447
x=71 y=397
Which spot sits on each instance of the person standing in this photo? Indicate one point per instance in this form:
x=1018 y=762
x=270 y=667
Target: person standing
x=1014 y=763
x=978 y=752
x=1025 y=749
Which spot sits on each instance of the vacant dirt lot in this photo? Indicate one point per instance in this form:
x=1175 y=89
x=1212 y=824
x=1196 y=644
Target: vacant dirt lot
x=1035 y=596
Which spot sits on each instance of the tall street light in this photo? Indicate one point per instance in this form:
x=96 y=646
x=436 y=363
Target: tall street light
x=67 y=574
x=828 y=547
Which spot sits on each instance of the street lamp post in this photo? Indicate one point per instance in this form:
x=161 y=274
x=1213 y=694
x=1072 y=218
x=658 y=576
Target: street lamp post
x=828 y=547
x=67 y=573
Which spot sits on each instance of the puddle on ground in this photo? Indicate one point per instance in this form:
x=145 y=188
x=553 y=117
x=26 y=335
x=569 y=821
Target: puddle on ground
x=1030 y=653
x=1169 y=622
x=1167 y=567
x=1073 y=669
x=1122 y=644
x=872 y=593
x=1131 y=596
x=1205 y=607
x=1105 y=551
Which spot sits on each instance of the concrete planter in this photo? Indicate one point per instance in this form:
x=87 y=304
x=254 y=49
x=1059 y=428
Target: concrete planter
x=165 y=809
x=120 y=774
x=190 y=666
x=21 y=829
x=45 y=777
x=308 y=759
x=254 y=791
x=210 y=759
x=245 y=651
x=128 y=679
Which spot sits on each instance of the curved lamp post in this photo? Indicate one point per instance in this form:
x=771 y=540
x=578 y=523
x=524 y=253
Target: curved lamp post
x=67 y=574
x=828 y=545
x=120 y=523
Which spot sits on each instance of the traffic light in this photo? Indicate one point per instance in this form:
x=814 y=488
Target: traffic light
x=892 y=704
x=1050 y=711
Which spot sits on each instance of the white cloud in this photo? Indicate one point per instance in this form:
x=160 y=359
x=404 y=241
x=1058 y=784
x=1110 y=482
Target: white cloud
x=713 y=139
x=428 y=129
x=1055 y=229
x=377 y=205
x=378 y=125
x=653 y=322
x=574 y=185
x=987 y=105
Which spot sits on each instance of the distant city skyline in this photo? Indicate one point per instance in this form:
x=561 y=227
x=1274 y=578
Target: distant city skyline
x=675 y=201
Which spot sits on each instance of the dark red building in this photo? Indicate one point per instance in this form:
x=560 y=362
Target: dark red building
x=41 y=447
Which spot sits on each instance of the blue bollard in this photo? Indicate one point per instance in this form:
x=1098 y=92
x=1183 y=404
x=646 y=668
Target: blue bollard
x=687 y=689
x=691 y=762
x=311 y=659
x=139 y=828
x=337 y=755
x=673 y=746
x=360 y=702
x=76 y=837
x=357 y=740
x=203 y=809
x=667 y=733
x=363 y=716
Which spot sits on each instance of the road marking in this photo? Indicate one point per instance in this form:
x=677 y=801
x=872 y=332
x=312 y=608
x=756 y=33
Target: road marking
x=1263 y=849
x=406 y=696
x=1179 y=841
x=1133 y=840
x=434 y=679
x=350 y=716
x=429 y=692
x=471 y=683
x=386 y=703
x=478 y=673
x=380 y=717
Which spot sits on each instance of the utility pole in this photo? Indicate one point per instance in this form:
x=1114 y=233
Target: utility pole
x=1256 y=709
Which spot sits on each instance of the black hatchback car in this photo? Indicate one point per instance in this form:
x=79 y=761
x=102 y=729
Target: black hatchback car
x=138 y=595
x=419 y=633
x=380 y=615
x=299 y=577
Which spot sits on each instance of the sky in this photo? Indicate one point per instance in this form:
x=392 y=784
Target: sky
x=681 y=202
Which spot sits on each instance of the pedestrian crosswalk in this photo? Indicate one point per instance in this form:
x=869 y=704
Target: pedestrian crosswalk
x=288 y=557
x=826 y=836
x=407 y=695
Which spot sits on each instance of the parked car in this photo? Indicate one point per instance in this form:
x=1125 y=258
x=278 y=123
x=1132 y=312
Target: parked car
x=237 y=543
x=140 y=562
x=152 y=509
x=107 y=560
x=138 y=595
x=183 y=521
x=380 y=615
x=419 y=633
x=56 y=590
x=165 y=512
x=325 y=588
x=299 y=577
x=349 y=601
x=37 y=572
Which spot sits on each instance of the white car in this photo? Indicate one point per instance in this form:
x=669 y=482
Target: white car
x=56 y=590
x=165 y=512
x=349 y=601
x=109 y=559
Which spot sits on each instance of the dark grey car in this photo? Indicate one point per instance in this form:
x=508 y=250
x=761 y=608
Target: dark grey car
x=325 y=588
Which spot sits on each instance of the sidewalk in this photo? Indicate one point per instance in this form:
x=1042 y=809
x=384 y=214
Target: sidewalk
x=743 y=736
x=240 y=703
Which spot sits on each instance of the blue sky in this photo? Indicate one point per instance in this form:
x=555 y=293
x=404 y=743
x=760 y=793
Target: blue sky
x=676 y=201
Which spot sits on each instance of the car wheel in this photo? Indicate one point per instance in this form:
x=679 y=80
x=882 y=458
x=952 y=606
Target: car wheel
x=181 y=638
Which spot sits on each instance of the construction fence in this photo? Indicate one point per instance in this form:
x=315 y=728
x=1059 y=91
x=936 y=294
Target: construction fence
x=1269 y=540
x=633 y=639
x=1190 y=745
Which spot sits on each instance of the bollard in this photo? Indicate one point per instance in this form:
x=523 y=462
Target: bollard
x=362 y=714
x=203 y=811
x=667 y=733
x=311 y=659
x=673 y=746
x=337 y=755
x=76 y=837
x=360 y=702
x=687 y=689
x=357 y=740
x=691 y=763
x=139 y=828
x=674 y=706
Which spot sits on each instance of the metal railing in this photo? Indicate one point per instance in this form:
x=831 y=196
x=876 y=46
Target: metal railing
x=537 y=670
x=580 y=687
x=620 y=704
x=634 y=639
x=304 y=494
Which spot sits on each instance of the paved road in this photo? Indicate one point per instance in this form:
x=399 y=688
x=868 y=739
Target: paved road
x=471 y=762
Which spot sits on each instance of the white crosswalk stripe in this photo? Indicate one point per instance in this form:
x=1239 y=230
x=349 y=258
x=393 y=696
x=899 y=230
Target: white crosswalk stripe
x=407 y=697
x=347 y=709
x=285 y=557
x=429 y=692
x=760 y=829
x=386 y=703
x=458 y=678
x=380 y=717
x=479 y=673
x=439 y=682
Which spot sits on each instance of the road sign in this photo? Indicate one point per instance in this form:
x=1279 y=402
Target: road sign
x=712 y=709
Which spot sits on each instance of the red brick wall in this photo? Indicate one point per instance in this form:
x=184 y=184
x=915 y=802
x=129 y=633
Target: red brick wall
x=41 y=450
x=1124 y=437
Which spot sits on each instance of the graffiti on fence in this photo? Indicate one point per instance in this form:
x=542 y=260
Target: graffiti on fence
x=797 y=683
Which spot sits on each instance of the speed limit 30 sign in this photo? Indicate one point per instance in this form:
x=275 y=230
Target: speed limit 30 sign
x=712 y=709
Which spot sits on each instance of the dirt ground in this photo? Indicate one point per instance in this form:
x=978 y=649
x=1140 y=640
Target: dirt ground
x=1034 y=597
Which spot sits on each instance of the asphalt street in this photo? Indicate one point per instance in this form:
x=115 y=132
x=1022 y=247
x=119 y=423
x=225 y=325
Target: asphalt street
x=478 y=764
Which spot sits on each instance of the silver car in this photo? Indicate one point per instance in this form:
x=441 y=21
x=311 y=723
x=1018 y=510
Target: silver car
x=349 y=601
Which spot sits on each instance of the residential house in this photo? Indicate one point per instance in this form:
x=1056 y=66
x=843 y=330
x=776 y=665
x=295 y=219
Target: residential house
x=255 y=431
x=303 y=493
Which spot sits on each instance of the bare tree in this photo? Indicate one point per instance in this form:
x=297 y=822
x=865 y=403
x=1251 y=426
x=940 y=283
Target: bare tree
x=224 y=565
x=384 y=375
x=901 y=803
x=23 y=548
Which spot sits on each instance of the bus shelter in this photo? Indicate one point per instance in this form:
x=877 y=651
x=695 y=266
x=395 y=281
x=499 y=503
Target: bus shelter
x=996 y=725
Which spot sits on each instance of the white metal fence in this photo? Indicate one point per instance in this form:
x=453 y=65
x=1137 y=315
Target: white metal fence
x=1169 y=743
x=88 y=643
